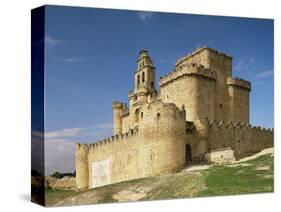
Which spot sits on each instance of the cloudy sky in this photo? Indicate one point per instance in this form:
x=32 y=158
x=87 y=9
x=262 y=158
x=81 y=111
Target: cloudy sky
x=91 y=58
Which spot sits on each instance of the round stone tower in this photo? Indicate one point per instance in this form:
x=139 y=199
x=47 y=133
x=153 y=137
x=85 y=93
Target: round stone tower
x=82 y=167
x=117 y=117
x=162 y=130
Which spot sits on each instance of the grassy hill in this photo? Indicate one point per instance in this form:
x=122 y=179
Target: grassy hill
x=249 y=176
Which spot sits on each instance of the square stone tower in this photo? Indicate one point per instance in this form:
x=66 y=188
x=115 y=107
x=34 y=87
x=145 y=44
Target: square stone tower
x=202 y=82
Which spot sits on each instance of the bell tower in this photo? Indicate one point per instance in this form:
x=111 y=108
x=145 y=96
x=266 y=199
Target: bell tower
x=145 y=74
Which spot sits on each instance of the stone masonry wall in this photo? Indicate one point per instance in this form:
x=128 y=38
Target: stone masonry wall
x=152 y=135
x=155 y=148
x=193 y=87
x=220 y=156
x=82 y=171
x=222 y=65
x=242 y=138
x=121 y=152
x=126 y=123
x=239 y=108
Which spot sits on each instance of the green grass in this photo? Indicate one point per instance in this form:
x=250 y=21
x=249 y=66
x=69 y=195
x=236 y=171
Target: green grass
x=177 y=186
x=223 y=180
x=218 y=180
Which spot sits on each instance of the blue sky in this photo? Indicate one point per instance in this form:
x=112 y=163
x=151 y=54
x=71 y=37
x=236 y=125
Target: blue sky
x=91 y=58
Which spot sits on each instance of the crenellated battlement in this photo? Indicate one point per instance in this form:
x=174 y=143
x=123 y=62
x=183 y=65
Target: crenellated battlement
x=117 y=105
x=82 y=147
x=129 y=134
x=188 y=70
x=228 y=124
x=237 y=82
x=243 y=138
x=264 y=129
x=179 y=124
x=125 y=110
x=234 y=125
x=198 y=51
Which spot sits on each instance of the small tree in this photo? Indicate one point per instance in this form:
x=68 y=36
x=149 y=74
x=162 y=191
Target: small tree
x=57 y=175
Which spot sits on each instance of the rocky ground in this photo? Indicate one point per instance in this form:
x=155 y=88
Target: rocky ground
x=249 y=175
x=64 y=183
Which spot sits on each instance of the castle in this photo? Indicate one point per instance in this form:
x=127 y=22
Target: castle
x=199 y=114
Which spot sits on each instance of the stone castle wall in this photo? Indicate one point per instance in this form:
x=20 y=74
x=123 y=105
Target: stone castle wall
x=154 y=135
x=190 y=85
x=222 y=65
x=82 y=171
x=156 y=147
x=242 y=138
x=239 y=100
x=126 y=123
x=220 y=156
x=203 y=83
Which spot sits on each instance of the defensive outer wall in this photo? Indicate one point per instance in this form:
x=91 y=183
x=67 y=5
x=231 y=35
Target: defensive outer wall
x=157 y=150
x=199 y=109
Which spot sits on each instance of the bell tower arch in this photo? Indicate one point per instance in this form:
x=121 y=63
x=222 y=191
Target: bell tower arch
x=145 y=74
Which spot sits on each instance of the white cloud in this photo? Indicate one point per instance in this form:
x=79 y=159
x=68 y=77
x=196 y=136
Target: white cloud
x=68 y=132
x=60 y=145
x=144 y=16
x=72 y=60
x=37 y=148
x=60 y=150
x=244 y=64
x=69 y=59
x=265 y=74
x=51 y=42
x=108 y=125
x=253 y=69
x=59 y=155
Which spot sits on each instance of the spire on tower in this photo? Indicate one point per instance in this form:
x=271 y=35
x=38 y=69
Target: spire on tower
x=145 y=74
x=144 y=59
